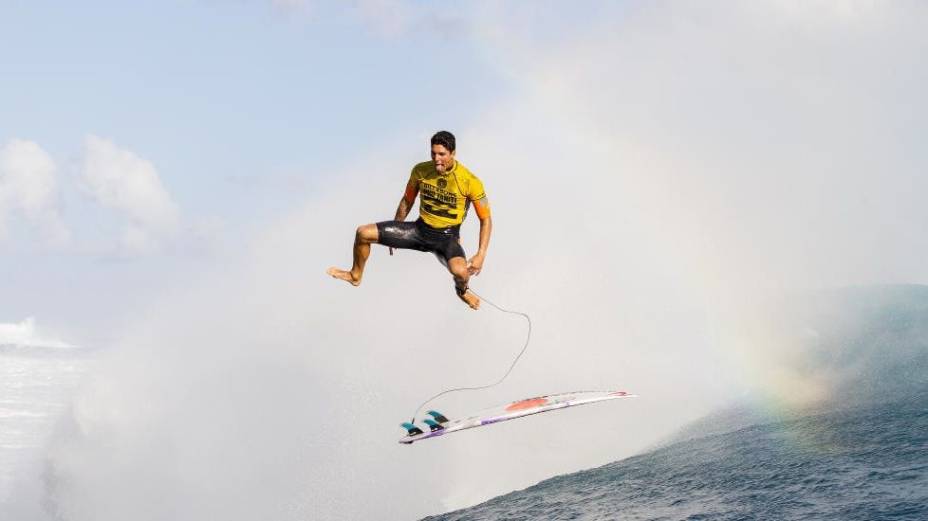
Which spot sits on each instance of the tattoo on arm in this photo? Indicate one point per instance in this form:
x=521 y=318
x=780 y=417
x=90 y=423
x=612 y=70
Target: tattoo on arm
x=412 y=190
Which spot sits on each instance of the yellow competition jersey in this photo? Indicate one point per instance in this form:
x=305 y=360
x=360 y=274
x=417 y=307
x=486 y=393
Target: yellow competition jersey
x=445 y=198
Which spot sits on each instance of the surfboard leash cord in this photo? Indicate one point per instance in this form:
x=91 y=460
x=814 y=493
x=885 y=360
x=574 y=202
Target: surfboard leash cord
x=528 y=339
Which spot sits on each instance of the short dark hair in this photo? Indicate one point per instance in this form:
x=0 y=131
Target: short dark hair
x=445 y=139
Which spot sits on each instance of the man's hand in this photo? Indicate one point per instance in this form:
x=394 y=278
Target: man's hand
x=475 y=264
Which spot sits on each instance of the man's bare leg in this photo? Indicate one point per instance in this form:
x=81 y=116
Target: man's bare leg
x=363 y=238
x=458 y=268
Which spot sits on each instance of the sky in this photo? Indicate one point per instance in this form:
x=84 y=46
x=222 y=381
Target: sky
x=238 y=111
x=175 y=178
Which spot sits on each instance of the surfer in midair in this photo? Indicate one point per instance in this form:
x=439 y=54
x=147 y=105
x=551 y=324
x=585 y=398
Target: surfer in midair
x=446 y=189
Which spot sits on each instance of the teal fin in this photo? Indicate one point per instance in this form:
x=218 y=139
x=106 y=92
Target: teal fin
x=433 y=425
x=411 y=429
x=439 y=417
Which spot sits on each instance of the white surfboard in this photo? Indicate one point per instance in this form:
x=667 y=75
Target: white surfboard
x=512 y=411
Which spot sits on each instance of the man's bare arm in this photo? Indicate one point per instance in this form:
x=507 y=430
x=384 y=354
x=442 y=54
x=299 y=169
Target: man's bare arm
x=409 y=199
x=402 y=210
x=486 y=229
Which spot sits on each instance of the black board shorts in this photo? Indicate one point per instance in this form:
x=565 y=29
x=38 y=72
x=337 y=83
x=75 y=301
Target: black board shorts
x=443 y=242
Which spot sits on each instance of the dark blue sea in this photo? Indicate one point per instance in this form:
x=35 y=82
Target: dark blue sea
x=861 y=455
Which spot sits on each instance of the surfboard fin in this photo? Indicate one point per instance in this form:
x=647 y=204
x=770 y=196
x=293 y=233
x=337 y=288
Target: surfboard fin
x=439 y=417
x=433 y=425
x=411 y=429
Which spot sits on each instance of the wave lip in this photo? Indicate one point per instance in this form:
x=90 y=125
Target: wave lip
x=24 y=334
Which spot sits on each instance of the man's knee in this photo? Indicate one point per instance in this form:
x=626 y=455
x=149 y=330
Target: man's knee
x=366 y=233
x=459 y=270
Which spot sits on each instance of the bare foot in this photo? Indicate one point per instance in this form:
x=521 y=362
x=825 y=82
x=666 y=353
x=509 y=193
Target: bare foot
x=471 y=300
x=343 y=275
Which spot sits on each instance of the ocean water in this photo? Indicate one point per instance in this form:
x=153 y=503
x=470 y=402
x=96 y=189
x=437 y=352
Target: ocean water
x=36 y=386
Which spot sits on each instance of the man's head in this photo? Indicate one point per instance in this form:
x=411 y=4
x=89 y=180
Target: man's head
x=443 y=145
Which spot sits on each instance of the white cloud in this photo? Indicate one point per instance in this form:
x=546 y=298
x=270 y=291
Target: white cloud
x=119 y=179
x=28 y=186
x=25 y=334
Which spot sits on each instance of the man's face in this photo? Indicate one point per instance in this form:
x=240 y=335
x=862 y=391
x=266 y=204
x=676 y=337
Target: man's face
x=442 y=158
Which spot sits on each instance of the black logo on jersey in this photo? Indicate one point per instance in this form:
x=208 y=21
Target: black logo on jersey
x=438 y=201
